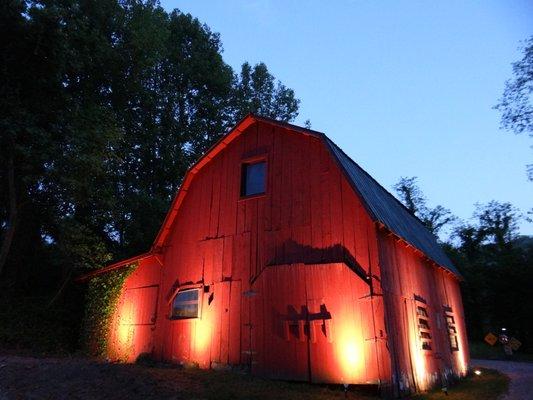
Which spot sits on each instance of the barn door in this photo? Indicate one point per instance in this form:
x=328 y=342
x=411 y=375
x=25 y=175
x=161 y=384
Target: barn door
x=340 y=322
x=137 y=321
x=310 y=322
x=330 y=321
x=279 y=347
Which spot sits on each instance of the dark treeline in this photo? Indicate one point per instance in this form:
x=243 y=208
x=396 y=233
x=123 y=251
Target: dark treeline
x=495 y=260
x=103 y=106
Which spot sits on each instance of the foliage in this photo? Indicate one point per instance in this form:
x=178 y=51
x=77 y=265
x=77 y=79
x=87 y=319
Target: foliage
x=256 y=92
x=490 y=385
x=497 y=265
x=102 y=110
x=102 y=296
x=435 y=219
x=515 y=105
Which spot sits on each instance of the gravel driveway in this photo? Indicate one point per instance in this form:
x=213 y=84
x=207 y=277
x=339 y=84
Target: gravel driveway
x=521 y=374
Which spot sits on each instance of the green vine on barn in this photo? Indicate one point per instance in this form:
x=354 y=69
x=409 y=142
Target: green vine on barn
x=103 y=293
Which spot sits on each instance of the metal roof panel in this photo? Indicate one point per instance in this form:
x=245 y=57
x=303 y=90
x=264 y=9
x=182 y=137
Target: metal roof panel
x=388 y=210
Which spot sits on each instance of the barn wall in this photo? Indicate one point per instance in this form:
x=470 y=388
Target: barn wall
x=408 y=281
x=317 y=334
x=133 y=323
x=309 y=215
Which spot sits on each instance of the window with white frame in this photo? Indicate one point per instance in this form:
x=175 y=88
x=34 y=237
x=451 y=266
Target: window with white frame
x=186 y=304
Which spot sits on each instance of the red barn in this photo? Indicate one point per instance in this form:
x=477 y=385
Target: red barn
x=282 y=255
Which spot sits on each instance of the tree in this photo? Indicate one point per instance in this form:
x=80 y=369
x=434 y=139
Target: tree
x=435 y=219
x=515 y=105
x=498 y=222
x=112 y=106
x=497 y=266
x=255 y=91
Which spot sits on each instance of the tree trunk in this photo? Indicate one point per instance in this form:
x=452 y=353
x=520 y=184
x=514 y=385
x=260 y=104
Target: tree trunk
x=12 y=217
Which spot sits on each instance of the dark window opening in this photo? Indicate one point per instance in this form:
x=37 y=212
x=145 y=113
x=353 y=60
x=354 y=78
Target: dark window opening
x=253 y=178
x=452 y=329
x=425 y=335
x=424 y=329
x=185 y=304
x=454 y=345
x=421 y=311
x=423 y=324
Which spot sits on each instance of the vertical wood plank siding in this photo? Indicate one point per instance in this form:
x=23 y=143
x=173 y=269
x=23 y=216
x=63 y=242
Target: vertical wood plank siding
x=279 y=294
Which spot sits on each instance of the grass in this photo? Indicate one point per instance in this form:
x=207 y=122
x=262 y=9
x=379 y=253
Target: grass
x=490 y=385
x=221 y=385
x=483 y=351
x=233 y=385
x=46 y=378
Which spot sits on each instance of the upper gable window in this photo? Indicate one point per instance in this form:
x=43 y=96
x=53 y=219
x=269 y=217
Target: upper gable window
x=186 y=304
x=253 y=178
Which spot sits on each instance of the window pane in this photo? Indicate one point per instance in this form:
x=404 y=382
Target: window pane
x=185 y=304
x=253 y=179
x=187 y=295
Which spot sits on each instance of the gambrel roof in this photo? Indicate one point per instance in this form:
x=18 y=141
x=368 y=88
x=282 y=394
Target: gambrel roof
x=382 y=206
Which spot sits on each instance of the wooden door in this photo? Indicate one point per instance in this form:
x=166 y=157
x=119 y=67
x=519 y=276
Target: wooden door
x=138 y=318
x=279 y=345
x=308 y=324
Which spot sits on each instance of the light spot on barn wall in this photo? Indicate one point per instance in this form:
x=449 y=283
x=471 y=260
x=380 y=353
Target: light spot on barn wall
x=122 y=331
x=420 y=365
x=349 y=350
x=203 y=332
x=463 y=367
x=418 y=353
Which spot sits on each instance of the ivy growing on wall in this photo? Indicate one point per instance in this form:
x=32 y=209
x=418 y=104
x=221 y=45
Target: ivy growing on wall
x=103 y=293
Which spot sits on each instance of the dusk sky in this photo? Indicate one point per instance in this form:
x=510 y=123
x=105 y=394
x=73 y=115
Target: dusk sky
x=405 y=88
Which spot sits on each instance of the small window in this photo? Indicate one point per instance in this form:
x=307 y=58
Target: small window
x=421 y=311
x=185 y=304
x=452 y=329
x=424 y=329
x=423 y=324
x=253 y=177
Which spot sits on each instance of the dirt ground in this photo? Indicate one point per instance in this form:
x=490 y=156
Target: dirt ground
x=79 y=378
x=521 y=374
x=71 y=378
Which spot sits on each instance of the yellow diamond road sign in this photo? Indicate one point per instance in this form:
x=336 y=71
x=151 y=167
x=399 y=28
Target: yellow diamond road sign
x=491 y=339
x=514 y=343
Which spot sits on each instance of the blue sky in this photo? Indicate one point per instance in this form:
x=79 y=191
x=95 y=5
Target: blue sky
x=406 y=88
